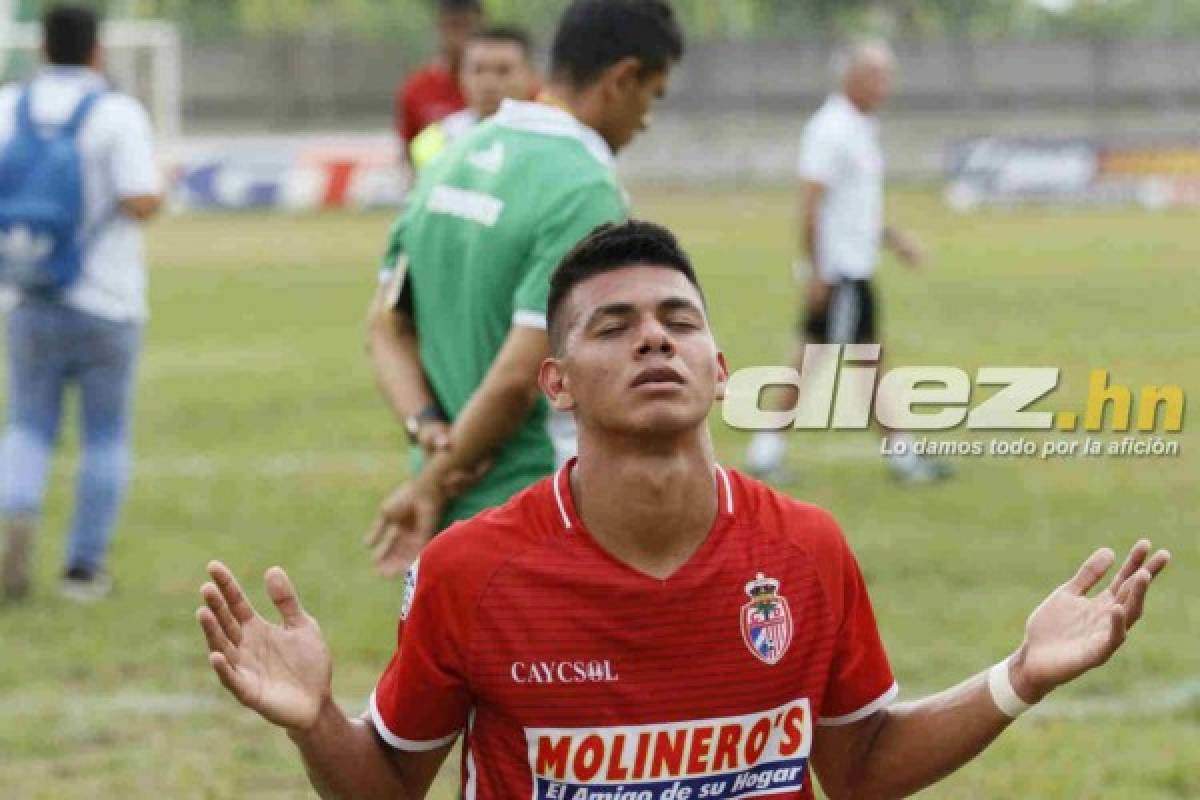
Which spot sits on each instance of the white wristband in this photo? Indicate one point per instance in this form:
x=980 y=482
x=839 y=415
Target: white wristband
x=1003 y=694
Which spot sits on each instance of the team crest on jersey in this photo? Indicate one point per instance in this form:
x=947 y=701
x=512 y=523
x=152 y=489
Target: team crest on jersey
x=766 y=620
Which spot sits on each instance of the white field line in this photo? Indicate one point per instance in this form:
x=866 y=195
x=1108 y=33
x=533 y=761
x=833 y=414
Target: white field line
x=1146 y=701
x=276 y=465
x=287 y=464
x=1149 y=702
x=167 y=362
x=17 y=705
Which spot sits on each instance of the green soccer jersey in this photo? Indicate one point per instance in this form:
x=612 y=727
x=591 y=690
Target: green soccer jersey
x=484 y=228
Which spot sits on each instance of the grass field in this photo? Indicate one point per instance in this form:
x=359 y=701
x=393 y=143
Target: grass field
x=261 y=440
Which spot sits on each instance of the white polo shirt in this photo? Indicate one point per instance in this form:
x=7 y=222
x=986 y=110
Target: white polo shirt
x=116 y=145
x=459 y=124
x=841 y=151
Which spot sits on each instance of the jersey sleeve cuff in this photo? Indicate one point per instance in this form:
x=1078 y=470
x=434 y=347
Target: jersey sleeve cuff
x=879 y=703
x=399 y=742
x=529 y=319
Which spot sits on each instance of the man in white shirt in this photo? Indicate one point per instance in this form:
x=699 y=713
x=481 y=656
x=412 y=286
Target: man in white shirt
x=841 y=170
x=88 y=334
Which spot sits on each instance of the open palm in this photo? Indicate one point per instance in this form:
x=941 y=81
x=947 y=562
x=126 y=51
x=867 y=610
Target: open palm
x=1071 y=633
x=284 y=671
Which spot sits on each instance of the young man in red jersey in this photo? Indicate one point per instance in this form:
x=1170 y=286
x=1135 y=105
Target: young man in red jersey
x=433 y=92
x=645 y=623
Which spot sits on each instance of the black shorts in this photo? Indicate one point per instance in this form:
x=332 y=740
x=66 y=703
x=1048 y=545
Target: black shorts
x=848 y=317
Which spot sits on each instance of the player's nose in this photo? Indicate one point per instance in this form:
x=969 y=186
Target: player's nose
x=654 y=338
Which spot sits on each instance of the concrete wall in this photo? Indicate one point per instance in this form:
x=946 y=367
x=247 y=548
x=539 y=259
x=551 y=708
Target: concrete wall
x=736 y=110
x=312 y=81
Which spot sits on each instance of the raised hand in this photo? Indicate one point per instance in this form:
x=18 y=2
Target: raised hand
x=406 y=522
x=1071 y=633
x=284 y=672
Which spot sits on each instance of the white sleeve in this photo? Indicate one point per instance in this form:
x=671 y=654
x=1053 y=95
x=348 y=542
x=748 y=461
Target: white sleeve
x=134 y=168
x=820 y=152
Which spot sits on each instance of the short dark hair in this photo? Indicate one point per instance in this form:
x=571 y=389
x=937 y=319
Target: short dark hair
x=70 y=35
x=505 y=33
x=609 y=247
x=459 y=7
x=595 y=34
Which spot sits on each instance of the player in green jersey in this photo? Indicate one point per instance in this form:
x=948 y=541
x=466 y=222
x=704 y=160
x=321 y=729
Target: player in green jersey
x=457 y=330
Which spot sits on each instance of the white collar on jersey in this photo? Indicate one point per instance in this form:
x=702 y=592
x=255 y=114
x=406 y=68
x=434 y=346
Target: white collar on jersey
x=562 y=487
x=85 y=76
x=551 y=121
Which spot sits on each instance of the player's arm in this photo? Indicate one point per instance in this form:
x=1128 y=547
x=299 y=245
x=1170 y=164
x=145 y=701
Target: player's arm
x=497 y=408
x=903 y=245
x=900 y=750
x=919 y=742
x=284 y=673
x=133 y=167
x=408 y=517
x=344 y=757
x=822 y=153
x=392 y=346
x=812 y=195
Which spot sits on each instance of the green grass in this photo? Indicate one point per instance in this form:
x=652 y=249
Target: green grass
x=261 y=440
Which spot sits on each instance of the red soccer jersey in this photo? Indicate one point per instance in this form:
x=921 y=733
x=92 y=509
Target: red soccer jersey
x=574 y=676
x=428 y=95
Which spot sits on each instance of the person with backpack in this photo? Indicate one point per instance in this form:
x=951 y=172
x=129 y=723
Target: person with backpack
x=77 y=175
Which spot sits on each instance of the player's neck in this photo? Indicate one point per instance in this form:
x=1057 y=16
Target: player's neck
x=857 y=101
x=651 y=508
x=579 y=104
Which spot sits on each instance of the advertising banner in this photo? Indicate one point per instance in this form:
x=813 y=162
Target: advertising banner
x=1009 y=170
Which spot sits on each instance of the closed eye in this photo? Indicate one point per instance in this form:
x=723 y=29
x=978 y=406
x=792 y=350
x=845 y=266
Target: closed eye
x=683 y=325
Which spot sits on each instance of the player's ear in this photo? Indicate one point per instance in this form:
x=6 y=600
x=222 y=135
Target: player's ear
x=722 y=375
x=552 y=379
x=623 y=76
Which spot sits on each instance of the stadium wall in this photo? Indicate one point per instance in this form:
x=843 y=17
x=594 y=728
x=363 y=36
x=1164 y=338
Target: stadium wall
x=321 y=81
x=302 y=122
